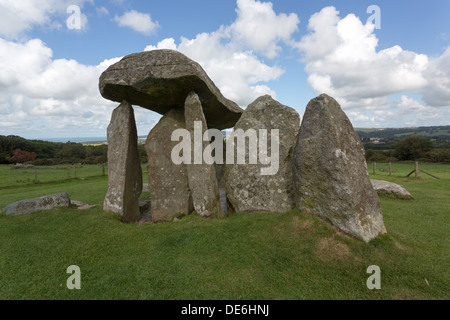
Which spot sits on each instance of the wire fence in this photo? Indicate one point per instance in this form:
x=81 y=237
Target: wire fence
x=410 y=169
x=13 y=175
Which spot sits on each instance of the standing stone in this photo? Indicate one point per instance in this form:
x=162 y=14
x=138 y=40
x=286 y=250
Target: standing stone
x=331 y=174
x=124 y=166
x=202 y=176
x=168 y=182
x=247 y=188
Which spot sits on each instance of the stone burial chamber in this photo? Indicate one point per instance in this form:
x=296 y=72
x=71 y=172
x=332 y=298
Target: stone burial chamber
x=271 y=163
x=167 y=82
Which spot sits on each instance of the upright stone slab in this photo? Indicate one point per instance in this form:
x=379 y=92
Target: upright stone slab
x=331 y=174
x=247 y=188
x=201 y=176
x=168 y=182
x=124 y=166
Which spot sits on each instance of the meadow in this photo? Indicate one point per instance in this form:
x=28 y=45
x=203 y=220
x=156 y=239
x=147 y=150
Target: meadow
x=244 y=256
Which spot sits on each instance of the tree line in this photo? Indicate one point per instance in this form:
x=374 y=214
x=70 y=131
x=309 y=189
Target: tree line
x=410 y=148
x=15 y=149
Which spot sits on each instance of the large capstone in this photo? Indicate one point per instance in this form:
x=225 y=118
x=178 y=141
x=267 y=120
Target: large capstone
x=331 y=174
x=161 y=80
x=38 y=204
x=201 y=175
x=168 y=182
x=266 y=185
x=124 y=166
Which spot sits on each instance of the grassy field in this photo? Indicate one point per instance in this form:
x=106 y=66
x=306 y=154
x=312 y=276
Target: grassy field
x=402 y=169
x=245 y=256
x=12 y=176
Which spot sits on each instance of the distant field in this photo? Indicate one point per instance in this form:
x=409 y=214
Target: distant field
x=245 y=256
x=12 y=176
x=401 y=169
x=427 y=132
x=423 y=133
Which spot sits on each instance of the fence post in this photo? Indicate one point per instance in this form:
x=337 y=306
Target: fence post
x=103 y=169
x=390 y=168
x=374 y=167
x=74 y=171
x=35 y=175
x=417 y=169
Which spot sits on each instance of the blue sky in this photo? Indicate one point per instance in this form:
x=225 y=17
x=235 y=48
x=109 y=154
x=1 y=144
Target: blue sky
x=395 y=76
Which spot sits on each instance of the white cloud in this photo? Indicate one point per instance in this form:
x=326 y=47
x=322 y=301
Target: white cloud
x=139 y=22
x=341 y=59
x=17 y=17
x=46 y=96
x=230 y=54
x=102 y=11
x=323 y=39
x=168 y=43
x=259 y=28
x=409 y=106
x=437 y=91
x=42 y=95
x=238 y=74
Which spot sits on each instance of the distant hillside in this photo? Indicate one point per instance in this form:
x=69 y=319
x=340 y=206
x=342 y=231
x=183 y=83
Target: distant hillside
x=386 y=139
x=437 y=132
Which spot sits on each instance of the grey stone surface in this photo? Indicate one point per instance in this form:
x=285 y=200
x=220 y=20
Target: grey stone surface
x=223 y=200
x=124 y=166
x=169 y=189
x=391 y=189
x=81 y=205
x=247 y=189
x=201 y=177
x=160 y=80
x=146 y=210
x=38 y=204
x=331 y=175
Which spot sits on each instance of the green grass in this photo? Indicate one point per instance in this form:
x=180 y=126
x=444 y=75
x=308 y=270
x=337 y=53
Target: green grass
x=245 y=256
x=401 y=169
x=11 y=176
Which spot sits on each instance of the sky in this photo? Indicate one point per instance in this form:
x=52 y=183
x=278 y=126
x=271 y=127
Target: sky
x=386 y=62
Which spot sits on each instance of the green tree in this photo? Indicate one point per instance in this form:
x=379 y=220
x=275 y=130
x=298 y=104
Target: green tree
x=74 y=151
x=413 y=148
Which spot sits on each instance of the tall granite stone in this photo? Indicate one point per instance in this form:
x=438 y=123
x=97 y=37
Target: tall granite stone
x=124 y=166
x=201 y=176
x=168 y=182
x=248 y=189
x=161 y=80
x=331 y=174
